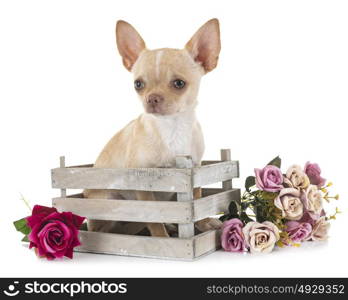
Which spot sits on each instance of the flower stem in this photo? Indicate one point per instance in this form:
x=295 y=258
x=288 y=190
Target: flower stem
x=26 y=202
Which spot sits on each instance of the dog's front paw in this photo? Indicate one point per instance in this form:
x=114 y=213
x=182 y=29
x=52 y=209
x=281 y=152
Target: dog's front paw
x=208 y=224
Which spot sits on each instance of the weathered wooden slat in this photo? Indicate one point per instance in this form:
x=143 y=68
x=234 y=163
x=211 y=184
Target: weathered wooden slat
x=206 y=242
x=214 y=204
x=205 y=192
x=203 y=163
x=215 y=173
x=147 y=179
x=127 y=210
x=130 y=245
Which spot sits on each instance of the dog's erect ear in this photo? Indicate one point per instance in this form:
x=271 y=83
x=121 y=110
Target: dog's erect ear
x=205 y=45
x=129 y=43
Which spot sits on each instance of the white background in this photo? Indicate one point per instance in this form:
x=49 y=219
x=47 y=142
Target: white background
x=280 y=88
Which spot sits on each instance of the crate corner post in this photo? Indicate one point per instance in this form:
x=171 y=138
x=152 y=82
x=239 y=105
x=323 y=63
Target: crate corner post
x=186 y=230
x=62 y=165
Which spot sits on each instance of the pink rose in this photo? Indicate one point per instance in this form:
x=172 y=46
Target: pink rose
x=313 y=172
x=53 y=234
x=269 y=179
x=232 y=238
x=320 y=230
x=297 y=231
x=306 y=218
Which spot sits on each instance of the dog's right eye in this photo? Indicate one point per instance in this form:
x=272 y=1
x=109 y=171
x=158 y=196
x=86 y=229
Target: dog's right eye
x=139 y=84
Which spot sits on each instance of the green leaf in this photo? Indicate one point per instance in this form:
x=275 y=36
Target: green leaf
x=25 y=239
x=224 y=218
x=233 y=212
x=276 y=162
x=261 y=215
x=232 y=208
x=244 y=205
x=245 y=218
x=22 y=226
x=249 y=182
x=228 y=217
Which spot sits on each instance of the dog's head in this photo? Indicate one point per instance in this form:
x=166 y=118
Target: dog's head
x=167 y=80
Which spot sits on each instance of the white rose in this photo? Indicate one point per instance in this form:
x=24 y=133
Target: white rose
x=260 y=237
x=296 y=177
x=289 y=202
x=313 y=200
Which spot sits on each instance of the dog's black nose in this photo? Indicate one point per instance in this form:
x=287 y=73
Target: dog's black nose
x=154 y=99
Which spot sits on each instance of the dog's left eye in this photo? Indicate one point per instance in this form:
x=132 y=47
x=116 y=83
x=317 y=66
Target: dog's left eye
x=178 y=83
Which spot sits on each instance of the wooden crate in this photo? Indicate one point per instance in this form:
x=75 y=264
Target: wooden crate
x=185 y=211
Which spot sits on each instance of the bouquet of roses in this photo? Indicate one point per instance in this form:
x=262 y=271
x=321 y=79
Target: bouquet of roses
x=278 y=209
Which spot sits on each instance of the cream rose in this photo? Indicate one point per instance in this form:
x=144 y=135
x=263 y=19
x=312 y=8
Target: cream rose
x=260 y=237
x=296 y=178
x=289 y=202
x=313 y=201
x=320 y=230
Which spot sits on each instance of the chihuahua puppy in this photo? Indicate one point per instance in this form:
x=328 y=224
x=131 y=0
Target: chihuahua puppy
x=167 y=83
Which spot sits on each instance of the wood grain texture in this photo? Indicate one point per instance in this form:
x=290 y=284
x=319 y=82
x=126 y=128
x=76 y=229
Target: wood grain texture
x=127 y=210
x=215 y=173
x=206 y=242
x=205 y=192
x=203 y=163
x=214 y=204
x=145 y=179
x=129 y=245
